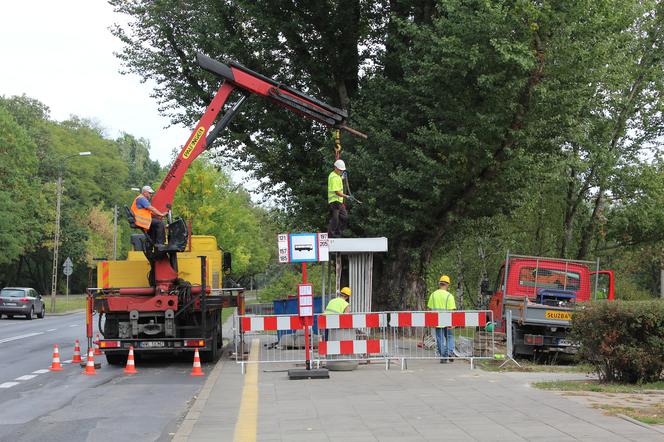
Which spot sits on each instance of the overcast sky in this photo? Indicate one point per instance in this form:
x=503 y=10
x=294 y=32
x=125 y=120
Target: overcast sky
x=61 y=53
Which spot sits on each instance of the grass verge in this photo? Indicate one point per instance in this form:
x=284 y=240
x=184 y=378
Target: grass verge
x=596 y=386
x=527 y=366
x=62 y=304
x=226 y=313
x=653 y=415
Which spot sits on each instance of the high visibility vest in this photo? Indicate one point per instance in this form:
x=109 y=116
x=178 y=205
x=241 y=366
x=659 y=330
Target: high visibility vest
x=143 y=216
x=336 y=306
x=441 y=300
x=334 y=184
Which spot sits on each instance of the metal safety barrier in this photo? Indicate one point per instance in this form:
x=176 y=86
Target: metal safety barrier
x=352 y=337
x=386 y=336
x=415 y=335
x=280 y=339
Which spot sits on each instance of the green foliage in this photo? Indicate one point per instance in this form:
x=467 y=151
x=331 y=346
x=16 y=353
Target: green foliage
x=623 y=341
x=21 y=199
x=476 y=111
x=216 y=207
x=285 y=281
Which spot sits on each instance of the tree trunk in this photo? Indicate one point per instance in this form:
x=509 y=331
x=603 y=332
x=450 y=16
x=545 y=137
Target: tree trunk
x=589 y=231
x=399 y=283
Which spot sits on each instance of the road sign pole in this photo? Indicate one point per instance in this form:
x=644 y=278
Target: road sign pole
x=306 y=322
x=67 y=293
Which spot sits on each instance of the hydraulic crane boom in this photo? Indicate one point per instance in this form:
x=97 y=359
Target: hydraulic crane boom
x=239 y=77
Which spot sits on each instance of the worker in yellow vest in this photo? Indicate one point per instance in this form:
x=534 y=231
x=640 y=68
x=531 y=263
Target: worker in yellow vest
x=340 y=304
x=442 y=300
x=143 y=211
x=335 y=200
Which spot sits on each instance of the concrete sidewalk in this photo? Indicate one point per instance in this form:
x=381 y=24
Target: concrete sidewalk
x=429 y=401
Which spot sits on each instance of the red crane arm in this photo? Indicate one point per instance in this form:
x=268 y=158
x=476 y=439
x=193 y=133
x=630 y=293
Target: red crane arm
x=237 y=76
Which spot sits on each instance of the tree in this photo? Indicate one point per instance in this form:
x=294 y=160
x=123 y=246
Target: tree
x=21 y=198
x=208 y=199
x=465 y=103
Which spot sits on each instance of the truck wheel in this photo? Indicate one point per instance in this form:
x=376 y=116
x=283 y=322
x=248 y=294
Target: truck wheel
x=116 y=358
x=211 y=355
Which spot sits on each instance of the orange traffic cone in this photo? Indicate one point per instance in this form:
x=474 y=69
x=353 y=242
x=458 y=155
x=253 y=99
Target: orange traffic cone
x=196 y=370
x=90 y=364
x=131 y=367
x=97 y=350
x=55 y=365
x=77 y=353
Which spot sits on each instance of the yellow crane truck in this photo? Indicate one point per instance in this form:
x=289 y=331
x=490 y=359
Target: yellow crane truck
x=168 y=297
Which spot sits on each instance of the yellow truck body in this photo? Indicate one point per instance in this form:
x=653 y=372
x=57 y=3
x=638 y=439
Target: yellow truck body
x=133 y=272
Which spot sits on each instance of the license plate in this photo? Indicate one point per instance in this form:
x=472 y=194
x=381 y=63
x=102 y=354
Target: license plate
x=551 y=314
x=153 y=344
x=10 y=303
x=564 y=343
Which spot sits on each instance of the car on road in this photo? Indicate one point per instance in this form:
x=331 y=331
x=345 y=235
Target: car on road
x=21 y=301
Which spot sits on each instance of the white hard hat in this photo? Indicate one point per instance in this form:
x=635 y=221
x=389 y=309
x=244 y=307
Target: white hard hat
x=147 y=189
x=339 y=164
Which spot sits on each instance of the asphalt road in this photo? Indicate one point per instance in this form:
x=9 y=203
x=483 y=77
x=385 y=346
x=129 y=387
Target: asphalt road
x=40 y=405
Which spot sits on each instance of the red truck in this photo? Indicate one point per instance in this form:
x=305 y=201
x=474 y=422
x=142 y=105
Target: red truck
x=540 y=295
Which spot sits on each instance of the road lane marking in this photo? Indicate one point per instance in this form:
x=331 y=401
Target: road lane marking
x=245 y=427
x=42 y=371
x=51 y=329
x=8 y=384
x=67 y=362
x=75 y=325
x=26 y=377
x=14 y=338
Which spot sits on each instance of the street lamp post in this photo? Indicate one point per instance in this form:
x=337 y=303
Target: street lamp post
x=56 y=238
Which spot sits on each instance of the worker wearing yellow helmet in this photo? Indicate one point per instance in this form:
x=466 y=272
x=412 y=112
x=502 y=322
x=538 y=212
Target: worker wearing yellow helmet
x=442 y=300
x=340 y=304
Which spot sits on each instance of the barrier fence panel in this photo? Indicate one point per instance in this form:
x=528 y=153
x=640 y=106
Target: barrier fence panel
x=415 y=335
x=280 y=339
x=352 y=337
x=366 y=336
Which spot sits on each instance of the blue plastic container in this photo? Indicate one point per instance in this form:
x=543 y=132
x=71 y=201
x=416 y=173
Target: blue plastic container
x=555 y=295
x=289 y=307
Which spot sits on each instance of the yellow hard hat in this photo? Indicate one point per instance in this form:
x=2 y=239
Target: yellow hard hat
x=444 y=278
x=346 y=291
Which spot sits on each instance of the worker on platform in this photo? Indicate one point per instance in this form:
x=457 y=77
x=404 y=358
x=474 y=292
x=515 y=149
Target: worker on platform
x=340 y=304
x=442 y=300
x=335 y=200
x=143 y=211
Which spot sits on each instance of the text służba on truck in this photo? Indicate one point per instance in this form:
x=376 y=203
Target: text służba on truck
x=541 y=294
x=168 y=297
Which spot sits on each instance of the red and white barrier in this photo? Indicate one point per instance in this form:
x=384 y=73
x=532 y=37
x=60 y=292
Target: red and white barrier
x=438 y=319
x=270 y=323
x=327 y=348
x=352 y=320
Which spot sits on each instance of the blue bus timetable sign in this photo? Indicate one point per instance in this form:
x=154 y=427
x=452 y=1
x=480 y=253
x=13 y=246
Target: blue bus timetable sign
x=303 y=247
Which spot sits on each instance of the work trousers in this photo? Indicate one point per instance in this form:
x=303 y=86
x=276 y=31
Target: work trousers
x=338 y=219
x=445 y=341
x=157 y=232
